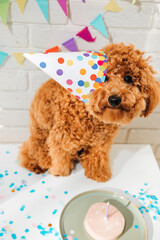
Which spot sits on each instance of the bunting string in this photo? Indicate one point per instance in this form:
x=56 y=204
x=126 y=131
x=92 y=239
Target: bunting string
x=85 y=34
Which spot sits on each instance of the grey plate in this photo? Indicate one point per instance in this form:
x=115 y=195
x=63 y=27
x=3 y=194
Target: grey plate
x=73 y=214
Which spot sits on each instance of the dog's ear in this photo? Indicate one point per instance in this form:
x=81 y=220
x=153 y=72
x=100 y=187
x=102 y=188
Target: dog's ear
x=153 y=89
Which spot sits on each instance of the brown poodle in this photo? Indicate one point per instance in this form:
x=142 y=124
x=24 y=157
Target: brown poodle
x=63 y=129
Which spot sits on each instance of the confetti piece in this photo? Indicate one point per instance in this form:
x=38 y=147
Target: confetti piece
x=11 y=185
x=32 y=191
x=136 y=226
x=22 y=207
x=55 y=211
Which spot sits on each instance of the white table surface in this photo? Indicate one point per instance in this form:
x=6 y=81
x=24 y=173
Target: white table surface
x=29 y=202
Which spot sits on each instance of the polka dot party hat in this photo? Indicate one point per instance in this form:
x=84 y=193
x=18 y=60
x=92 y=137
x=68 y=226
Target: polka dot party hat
x=78 y=72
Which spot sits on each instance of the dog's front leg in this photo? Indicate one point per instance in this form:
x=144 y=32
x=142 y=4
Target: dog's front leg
x=62 y=159
x=95 y=161
x=62 y=162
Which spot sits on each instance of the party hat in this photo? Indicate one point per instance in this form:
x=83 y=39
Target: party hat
x=78 y=72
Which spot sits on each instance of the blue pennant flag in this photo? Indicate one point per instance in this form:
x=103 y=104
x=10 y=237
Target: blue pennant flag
x=2 y=57
x=43 y=4
x=98 y=23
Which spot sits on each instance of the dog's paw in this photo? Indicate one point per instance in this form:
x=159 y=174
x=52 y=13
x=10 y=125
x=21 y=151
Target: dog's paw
x=61 y=171
x=38 y=170
x=99 y=176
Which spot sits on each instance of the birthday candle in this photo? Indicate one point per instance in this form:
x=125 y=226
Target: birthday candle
x=107 y=210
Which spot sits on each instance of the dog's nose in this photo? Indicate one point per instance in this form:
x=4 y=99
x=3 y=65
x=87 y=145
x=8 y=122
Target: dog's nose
x=114 y=100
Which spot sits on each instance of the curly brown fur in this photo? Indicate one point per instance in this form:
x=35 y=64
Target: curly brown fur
x=63 y=129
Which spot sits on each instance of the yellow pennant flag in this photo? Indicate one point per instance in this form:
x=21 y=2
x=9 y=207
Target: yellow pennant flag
x=112 y=6
x=19 y=57
x=21 y=4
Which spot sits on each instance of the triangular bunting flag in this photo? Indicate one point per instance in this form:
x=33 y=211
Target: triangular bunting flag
x=19 y=57
x=43 y=4
x=4 y=4
x=71 y=45
x=21 y=4
x=54 y=49
x=98 y=23
x=133 y=2
x=86 y=35
x=2 y=57
x=63 y=4
x=78 y=72
x=84 y=1
x=112 y=6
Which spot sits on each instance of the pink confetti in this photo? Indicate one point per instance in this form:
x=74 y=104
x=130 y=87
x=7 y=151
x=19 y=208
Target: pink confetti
x=53 y=196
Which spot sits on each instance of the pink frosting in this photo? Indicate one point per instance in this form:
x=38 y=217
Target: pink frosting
x=101 y=229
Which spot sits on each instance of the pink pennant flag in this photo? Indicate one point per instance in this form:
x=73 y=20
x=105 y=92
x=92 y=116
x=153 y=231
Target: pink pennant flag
x=86 y=35
x=63 y=4
x=71 y=45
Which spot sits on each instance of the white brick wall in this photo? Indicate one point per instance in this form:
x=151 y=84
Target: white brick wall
x=139 y=24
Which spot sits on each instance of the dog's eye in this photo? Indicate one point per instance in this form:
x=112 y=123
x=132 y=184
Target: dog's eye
x=106 y=79
x=128 y=79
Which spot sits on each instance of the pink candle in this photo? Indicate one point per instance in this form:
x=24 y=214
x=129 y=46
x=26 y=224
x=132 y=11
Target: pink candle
x=107 y=210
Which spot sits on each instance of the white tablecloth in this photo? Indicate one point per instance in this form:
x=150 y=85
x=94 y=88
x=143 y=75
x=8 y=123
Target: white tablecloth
x=30 y=204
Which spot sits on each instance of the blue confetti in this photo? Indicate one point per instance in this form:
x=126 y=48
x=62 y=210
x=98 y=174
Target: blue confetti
x=136 y=226
x=22 y=208
x=55 y=211
x=32 y=191
x=11 y=185
x=40 y=227
x=14 y=236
